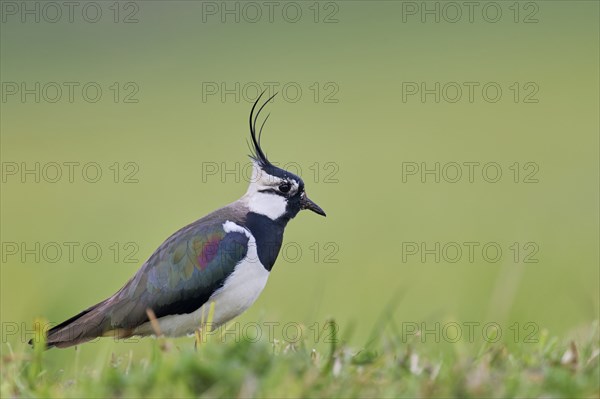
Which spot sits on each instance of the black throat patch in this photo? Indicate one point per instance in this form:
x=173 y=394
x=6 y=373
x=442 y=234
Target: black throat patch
x=269 y=237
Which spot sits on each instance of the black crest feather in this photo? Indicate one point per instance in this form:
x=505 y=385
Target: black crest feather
x=257 y=154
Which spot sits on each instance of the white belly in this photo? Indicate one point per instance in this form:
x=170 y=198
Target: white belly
x=240 y=291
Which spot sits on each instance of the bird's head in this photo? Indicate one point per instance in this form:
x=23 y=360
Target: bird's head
x=273 y=192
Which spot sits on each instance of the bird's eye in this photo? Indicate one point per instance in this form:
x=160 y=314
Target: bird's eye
x=285 y=187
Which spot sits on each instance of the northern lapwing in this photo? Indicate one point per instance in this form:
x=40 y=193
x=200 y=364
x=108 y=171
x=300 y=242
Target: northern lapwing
x=224 y=258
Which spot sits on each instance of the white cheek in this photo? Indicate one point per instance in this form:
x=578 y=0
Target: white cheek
x=270 y=205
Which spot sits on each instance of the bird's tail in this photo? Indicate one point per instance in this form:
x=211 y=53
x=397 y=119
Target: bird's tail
x=83 y=327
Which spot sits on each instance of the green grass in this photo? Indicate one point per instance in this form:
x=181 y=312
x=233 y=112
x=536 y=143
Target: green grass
x=388 y=367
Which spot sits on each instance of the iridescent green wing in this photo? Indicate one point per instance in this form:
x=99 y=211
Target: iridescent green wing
x=181 y=274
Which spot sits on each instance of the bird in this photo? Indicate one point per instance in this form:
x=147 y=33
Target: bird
x=219 y=263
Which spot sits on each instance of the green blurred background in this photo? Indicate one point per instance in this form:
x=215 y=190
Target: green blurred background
x=352 y=66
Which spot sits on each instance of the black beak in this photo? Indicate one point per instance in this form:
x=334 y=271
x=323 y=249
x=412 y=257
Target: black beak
x=306 y=203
